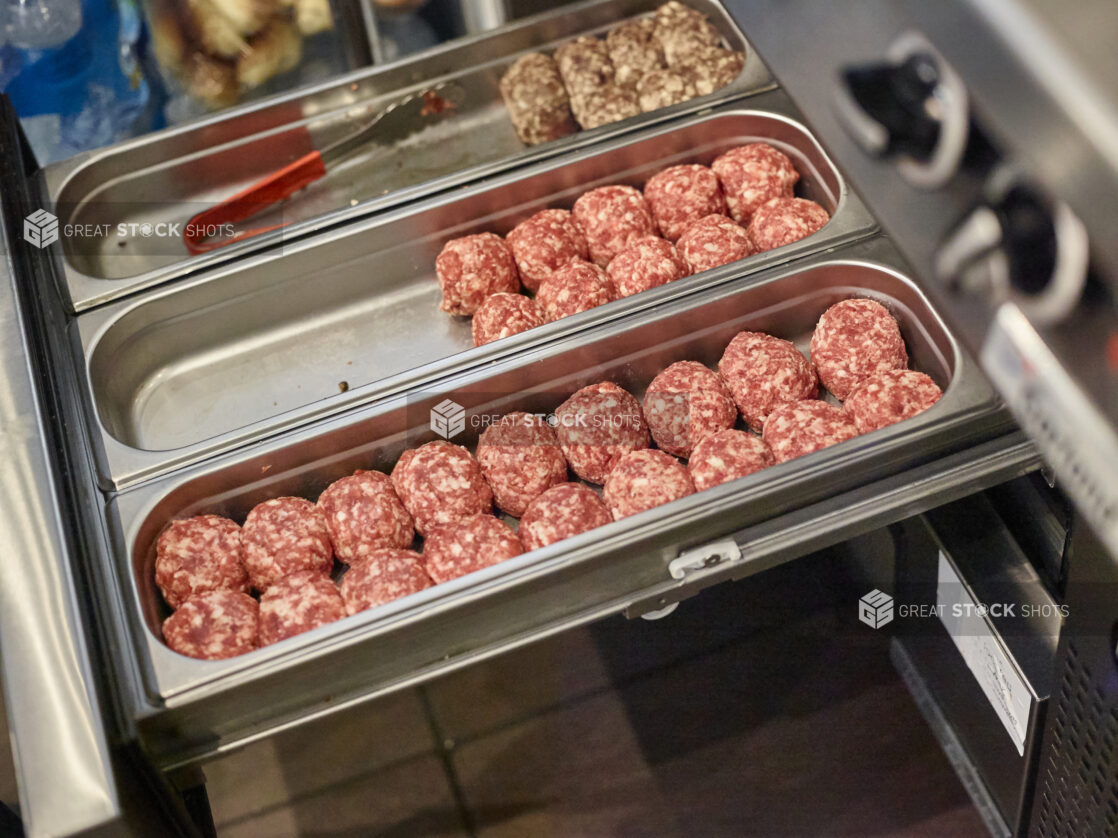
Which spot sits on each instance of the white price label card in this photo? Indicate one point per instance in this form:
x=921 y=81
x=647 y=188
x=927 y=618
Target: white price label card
x=965 y=621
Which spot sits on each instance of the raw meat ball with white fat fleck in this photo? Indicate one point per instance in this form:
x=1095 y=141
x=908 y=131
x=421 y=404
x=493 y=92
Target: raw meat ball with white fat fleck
x=782 y=221
x=762 y=371
x=853 y=340
x=686 y=403
x=644 y=264
x=680 y=195
x=473 y=267
x=440 y=482
x=298 y=603
x=383 y=576
x=199 y=554
x=890 y=397
x=468 y=545
x=520 y=459
x=282 y=536
x=798 y=428
x=596 y=426
x=645 y=479
x=213 y=625
x=561 y=512
x=576 y=287
x=503 y=315
x=713 y=241
x=752 y=175
x=611 y=217
x=363 y=513
x=728 y=455
x=544 y=243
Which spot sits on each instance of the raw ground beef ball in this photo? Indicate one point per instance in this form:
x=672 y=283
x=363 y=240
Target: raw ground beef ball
x=644 y=479
x=520 y=458
x=298 y=603
x=471 y=544
x=728 y=455
x=536 y=100
x=544 y=243
x=363 y=514
x=782 y=221
x=645 y=264
x=561 y=512
x=713 y=241
x=577 y=286
x=681 y=195
x=799 y=428
x=710 y=68
x=596 y=426
x=473 y=267
x=663 y=88
x=762 y=371
x=634 y=50
x=503 y=315
x=584 y=65
x=752 y=175
x=685 y=403
x=440 y=482
x=682 y=30
x=854 y=340
x=383 y=576
x=213 y=625
x=199 y=554
x=890 y=397
x=612 y=216
x=282 y=536
x=607 y=104
x=770 y=158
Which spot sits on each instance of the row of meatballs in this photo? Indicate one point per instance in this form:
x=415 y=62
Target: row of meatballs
x=641 y=65
x=206 y=566
x=616 y=241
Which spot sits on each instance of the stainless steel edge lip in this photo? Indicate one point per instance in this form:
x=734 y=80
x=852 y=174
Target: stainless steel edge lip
x=996 y=460
x=85 y=292
x=196 y=679
x=121 y=465
x=56 y=720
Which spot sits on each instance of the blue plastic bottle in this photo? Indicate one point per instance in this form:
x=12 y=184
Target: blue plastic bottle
x=79 y=93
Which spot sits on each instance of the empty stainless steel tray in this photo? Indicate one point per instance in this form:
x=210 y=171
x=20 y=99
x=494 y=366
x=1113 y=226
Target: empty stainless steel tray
x=199 y=706
x=169 y=176
x=352 y=315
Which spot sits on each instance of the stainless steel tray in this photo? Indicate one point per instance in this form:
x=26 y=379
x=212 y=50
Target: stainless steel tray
x=196 y=707
x=171 y=175
x=215 y=360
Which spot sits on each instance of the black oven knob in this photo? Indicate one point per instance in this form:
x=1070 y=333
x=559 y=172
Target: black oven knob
x=910 y=108
x=893 y=105
x=1017 y=246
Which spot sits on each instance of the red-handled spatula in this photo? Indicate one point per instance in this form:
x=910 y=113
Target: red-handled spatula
x=394 y=123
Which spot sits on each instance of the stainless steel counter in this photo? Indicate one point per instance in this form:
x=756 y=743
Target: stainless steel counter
x=55 y=717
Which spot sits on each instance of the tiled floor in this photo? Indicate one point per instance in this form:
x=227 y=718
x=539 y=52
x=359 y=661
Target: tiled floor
x=757 y=709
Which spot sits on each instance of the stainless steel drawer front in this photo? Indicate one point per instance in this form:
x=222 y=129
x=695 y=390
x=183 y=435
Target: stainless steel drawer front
x=612 y=569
